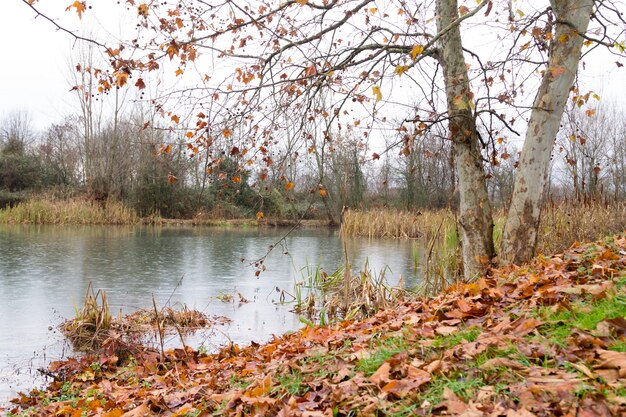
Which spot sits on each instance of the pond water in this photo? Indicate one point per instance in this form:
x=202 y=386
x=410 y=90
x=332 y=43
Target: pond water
x=46 y=270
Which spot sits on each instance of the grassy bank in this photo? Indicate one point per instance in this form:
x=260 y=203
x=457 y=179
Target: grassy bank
x=542 y=339
x=80 y=211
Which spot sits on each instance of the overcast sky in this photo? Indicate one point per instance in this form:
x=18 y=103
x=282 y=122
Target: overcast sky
x=34 y=72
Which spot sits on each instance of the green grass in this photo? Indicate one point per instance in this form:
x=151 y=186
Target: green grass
x=292 y=383
x=454 y=339
x=584 y=315
x=384 y=350
x=463 y=385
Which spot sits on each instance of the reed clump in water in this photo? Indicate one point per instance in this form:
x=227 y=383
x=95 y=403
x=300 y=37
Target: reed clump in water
x=346 y=295
x=94 y=328
x=61 y=212
x=92 y=323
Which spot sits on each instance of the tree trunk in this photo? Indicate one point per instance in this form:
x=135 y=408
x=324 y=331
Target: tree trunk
x=475 y=210
x=522 y=223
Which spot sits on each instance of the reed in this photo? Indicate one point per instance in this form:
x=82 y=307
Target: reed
x=436 y=250
x=564 y=224
x=92 y=323
x=345 y=295
x=394 y=224
x=77 y=211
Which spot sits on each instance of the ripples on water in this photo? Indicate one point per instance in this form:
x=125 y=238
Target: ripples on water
x=45 y=271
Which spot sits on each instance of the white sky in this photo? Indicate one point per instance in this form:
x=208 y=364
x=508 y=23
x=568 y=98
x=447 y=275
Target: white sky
x=34 y=70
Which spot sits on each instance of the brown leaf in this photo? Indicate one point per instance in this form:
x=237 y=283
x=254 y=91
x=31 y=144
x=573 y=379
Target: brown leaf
x=453 y=403
x=501 y=363
x=140 y=411
x=612 y=360
x=381 y=375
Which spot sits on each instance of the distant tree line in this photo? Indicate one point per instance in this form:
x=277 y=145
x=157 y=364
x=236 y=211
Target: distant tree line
x=156 y=171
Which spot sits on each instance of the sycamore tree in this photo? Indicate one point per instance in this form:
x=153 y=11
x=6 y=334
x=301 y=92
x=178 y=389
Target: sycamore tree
x=487 y=71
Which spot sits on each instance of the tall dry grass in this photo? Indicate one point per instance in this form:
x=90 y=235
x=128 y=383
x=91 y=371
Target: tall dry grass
x=563 y=224
x=395 y=224
x=436 y=251
x=77 y=211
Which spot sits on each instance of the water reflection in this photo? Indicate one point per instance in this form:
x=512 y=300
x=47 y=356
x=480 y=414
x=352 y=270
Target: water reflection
x=45 y=271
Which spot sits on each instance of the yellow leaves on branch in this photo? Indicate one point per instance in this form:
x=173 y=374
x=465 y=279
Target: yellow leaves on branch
x=417 y=50
x=401 y=69
x=377 y=93
x=80 y=7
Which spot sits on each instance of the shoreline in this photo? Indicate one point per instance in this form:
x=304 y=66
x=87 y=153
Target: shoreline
x=544 y=338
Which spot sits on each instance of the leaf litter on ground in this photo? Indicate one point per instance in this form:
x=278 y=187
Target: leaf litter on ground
x=543 y=339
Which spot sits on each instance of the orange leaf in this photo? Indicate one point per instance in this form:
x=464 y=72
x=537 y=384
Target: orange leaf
x=289 y=186
x=302 y=2
x=175 y=119
x=227 y=133
x=237 y=179
x=142 y=10
x=116 y=412
x=557 y=71
x=463 y=10
x=171 y=179
x=79 y=6
x=259 y=215
x=140 y=84
x=323 y=192
x=189 y=135
x=121 y=78
x=179 y=72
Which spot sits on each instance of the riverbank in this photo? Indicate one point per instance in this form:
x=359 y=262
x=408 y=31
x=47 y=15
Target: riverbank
x=88 y=212
x=546 y=338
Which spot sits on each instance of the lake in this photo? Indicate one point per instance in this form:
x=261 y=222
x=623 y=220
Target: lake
x=46 y=270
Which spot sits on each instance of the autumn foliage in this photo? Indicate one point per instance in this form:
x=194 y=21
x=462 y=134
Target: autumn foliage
x=548 y=338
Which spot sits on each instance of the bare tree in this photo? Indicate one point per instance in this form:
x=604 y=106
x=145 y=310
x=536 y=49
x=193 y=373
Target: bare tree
x=371 y=62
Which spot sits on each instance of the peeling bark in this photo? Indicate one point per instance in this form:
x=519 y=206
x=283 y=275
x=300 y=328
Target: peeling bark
x=475 y=210
x=522 y=224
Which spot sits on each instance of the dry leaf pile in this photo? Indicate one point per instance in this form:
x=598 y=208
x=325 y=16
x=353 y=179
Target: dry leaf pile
x=544 y=339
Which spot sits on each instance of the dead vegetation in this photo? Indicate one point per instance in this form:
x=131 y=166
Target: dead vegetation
x=94 y=328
